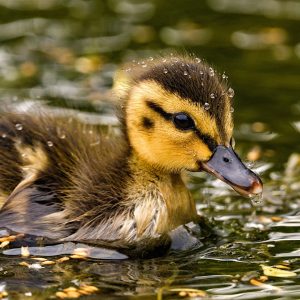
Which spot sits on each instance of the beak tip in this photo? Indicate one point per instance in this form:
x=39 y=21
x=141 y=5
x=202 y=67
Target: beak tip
x=257 y=188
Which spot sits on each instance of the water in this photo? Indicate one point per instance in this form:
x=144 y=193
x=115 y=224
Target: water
x=62 y=54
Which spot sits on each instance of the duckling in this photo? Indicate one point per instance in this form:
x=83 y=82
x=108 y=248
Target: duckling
x=67 y=181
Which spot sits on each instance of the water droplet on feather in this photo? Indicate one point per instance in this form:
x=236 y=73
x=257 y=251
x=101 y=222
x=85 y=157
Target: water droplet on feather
x=19 y=126
x=230 y=92
x=211 y=72
x=206 y=106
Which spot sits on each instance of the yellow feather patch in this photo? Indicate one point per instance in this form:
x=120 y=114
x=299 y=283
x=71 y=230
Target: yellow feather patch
x=34 y=159
x=164 y=145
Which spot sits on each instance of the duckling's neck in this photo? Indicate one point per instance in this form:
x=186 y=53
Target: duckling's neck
x=161 y=200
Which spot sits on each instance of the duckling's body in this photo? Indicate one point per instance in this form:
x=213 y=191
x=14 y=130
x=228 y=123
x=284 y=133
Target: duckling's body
x=65 y=180
x=75 y=183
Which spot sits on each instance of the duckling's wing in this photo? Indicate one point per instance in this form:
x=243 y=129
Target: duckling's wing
x=33 y=211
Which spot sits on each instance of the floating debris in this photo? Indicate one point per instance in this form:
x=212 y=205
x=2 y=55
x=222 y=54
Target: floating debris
x=3 y=294
x=4 y=244
x=28 y=69
x=63 y=259
x=254 y=154
x=259 y=127
x=277 y=218
x=74 y=292
x=275 y=272
x=283 y=267
x=39 y=258
x=25 y=251
x=190 y=293
x=48 y=262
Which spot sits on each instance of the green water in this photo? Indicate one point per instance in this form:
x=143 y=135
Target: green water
x=62 y=54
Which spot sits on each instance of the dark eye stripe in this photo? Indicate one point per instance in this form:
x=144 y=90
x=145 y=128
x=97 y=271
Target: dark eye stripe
x=207 y=139
x=159 y=110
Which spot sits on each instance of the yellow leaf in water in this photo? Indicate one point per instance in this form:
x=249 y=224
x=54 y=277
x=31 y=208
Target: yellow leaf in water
x=4 y=244
x=270 y=271
x=25 y=251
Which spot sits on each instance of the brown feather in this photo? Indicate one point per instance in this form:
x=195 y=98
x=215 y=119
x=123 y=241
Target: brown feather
x=65 y=180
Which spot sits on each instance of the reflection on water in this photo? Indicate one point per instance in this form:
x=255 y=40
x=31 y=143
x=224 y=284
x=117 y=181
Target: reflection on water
x=63 y=54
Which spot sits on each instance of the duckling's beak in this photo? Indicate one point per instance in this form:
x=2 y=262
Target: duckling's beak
x=227 y=166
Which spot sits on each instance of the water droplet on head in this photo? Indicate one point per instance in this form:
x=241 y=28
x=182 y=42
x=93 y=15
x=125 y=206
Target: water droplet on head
x=249 y=164
x=231 y=109
x=19 y=126
x=164 y=60
x=50 y=143
x=198 y=60
x=206 y=106
x=202 y=83
x=212 y=96
x=165 y=71
x=211 y=72
x=4 y=135
x=151 y=58
x=62 y=136
x=201 y=72
x=224 y=76
x=230 y=92
x=182 y=64
x=144 y=66
x=185 y=73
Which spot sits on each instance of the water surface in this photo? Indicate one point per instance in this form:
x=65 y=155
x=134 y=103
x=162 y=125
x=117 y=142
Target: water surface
x=62 y=55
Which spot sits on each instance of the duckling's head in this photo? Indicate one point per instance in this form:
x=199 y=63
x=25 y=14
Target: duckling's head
x=177 y=114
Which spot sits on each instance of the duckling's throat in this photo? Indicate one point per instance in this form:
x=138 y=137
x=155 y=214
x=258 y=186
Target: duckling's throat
x=161 y=200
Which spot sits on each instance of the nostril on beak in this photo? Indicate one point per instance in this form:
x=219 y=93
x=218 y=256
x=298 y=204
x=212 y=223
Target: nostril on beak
x=226 y=159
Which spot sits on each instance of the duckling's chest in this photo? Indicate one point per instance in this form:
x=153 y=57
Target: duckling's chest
x=160 y=205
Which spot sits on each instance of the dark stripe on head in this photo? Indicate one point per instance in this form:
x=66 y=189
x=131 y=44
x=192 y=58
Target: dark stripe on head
x=155 y=107
x=207 y=139
x=196 y=82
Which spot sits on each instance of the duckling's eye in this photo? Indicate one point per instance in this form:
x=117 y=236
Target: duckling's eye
x=183 y=121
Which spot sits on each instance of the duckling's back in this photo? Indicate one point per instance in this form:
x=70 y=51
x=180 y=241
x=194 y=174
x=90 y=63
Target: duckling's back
x=57 y=173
